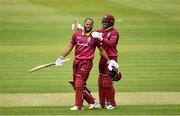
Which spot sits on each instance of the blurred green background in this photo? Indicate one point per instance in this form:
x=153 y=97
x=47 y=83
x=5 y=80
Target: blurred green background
x=34 y=32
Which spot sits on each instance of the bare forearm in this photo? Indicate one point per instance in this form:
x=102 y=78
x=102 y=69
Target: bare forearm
x=67 y=50
x=103 y=53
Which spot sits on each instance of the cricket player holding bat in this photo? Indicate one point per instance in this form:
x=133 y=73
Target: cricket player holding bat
x=85 y=46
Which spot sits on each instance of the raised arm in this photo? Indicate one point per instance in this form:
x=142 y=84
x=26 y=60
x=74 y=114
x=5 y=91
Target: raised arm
x=108 y=42
x=112 y=40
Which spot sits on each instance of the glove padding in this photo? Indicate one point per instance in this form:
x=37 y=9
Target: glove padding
x=59 y=61
x=111 y=64
x=97 y=35
x=77 y=27
x=114 y=74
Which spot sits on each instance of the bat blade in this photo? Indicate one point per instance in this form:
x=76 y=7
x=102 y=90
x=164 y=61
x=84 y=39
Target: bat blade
x=41 y=67
x=46 y=65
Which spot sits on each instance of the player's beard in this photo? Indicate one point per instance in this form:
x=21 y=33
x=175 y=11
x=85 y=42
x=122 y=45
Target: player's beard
x=87 y=29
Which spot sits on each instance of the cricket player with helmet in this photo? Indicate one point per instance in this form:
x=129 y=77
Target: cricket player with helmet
x=109 y=37
x=85 y=46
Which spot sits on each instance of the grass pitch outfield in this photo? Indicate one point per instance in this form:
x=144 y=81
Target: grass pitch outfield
x=34 y=32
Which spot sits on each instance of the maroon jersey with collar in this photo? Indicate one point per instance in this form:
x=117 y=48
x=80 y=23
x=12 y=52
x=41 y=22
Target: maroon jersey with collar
x=85 y=45
x=110 y=41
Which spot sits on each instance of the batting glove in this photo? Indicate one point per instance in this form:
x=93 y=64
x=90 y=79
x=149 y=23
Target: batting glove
x=97 y=35
x=77 y=27
x=59 y=61
x=111 y=64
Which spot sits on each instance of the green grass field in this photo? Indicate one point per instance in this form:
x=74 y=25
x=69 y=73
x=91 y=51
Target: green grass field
x=34 y=32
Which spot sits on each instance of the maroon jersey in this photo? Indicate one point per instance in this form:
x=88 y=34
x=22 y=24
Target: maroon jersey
x=110 y=41
x=85 y=45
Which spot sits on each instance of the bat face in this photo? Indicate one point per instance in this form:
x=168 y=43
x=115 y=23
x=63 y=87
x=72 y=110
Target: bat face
x=41 y=67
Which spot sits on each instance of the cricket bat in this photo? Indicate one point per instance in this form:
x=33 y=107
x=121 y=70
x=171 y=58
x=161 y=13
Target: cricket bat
x=45 y=66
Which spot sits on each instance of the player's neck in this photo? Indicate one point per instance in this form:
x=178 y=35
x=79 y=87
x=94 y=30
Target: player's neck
x=86 y=33
x=109 y=28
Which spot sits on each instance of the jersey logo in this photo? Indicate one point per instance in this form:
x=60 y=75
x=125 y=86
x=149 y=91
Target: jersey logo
x=82 y=43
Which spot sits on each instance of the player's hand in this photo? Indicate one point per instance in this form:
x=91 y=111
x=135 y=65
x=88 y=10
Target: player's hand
x=111 y=64
x=59 y=61
x=97 y=35
x=77 y=27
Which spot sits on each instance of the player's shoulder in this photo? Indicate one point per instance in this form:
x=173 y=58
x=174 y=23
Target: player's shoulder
x=100 y=30
x=78 y=32
x=113 y=30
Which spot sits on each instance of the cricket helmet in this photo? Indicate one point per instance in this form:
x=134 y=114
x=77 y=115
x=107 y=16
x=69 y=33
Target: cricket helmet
x=109 y=19
x=115 y=75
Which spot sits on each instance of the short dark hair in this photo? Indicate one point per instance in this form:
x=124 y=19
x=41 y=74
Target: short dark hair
x=89 y=19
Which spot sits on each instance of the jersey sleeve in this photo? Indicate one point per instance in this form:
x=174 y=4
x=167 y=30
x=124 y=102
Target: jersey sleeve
x=112 y=40
x=73 y=39
x=98 y=43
